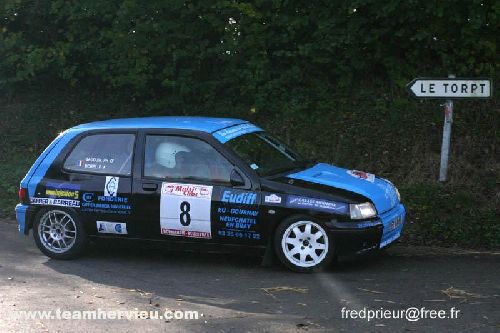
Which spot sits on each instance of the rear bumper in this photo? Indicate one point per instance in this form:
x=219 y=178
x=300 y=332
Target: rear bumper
x=364 y=236
x=23 y=217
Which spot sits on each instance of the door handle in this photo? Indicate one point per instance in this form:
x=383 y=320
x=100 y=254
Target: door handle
x=149 y=187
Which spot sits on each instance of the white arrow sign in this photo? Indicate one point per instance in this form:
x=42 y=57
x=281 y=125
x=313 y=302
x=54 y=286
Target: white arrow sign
x=450 y=88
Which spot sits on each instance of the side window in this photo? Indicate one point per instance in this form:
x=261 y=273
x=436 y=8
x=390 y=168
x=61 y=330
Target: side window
x=181 y=158
x=103 y=154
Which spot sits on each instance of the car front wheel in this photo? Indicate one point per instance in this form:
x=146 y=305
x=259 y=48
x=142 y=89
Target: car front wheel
x=59 y=234
x=303 y=245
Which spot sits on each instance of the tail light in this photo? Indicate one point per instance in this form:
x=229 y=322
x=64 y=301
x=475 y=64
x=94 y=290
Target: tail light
x=23 y=195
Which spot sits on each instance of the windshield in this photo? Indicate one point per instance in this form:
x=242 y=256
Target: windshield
x=265 y=154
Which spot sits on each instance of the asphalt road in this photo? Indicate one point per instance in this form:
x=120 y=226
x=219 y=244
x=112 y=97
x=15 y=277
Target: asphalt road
x=233 y=293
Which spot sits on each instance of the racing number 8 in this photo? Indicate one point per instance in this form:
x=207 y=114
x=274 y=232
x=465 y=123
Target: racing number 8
x=185 y=217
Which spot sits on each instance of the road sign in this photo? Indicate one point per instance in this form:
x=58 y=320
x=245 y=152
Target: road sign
x=450 y=88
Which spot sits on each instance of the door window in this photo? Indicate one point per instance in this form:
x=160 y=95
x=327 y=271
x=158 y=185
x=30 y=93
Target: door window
x=184 y=159
x=109 y=154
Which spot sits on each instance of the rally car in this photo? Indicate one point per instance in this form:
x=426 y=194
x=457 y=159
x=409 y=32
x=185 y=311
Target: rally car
x=199 y=180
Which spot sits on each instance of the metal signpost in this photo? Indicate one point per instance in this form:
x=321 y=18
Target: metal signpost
x=449 y=88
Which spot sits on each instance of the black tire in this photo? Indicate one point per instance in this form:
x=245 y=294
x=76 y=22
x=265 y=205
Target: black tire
x=79 y=243
x=293 y=262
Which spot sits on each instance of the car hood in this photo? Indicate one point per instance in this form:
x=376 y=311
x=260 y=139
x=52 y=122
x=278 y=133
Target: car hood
x=380 y=191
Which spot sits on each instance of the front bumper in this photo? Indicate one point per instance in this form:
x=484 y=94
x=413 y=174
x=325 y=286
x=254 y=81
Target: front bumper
x=363 y=236
x=393 y=222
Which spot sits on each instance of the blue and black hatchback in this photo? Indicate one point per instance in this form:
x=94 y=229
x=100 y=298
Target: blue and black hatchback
x=205 y=181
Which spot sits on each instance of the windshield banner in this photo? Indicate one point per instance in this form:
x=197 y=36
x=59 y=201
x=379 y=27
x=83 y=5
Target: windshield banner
x=226 y=134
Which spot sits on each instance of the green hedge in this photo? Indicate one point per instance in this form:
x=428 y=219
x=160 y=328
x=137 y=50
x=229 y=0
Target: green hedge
x=226 y=54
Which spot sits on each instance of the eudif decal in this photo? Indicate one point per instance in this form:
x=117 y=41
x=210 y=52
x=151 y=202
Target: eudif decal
x=247 y=198
x=236 y=214
x=185 y=210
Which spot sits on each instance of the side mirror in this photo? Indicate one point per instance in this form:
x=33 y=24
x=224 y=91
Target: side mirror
x=236 y=179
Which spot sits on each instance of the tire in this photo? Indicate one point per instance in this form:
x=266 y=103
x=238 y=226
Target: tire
x=59 y=233
x=303 y=244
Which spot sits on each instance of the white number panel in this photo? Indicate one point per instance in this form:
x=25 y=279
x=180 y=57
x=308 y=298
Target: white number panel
x=185 y=210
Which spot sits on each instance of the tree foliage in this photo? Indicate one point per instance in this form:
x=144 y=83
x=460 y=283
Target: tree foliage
x=226 y=54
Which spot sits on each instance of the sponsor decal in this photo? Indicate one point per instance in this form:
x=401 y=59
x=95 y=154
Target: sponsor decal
x=62 y=190
x=185 y=210
x=362 y=175
x=60 y=193
x=232 y=132
x=55 y=202
x=106 y=227
x=88 y=197
x=273 y=198
x=247 y=198
x=105 y=204
x=317 y=204
x=185 y=233
x=235 y=216
x=187 y=190
x=111 y=186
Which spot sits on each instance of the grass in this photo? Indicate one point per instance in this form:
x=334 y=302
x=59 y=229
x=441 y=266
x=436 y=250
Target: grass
x=393 y=137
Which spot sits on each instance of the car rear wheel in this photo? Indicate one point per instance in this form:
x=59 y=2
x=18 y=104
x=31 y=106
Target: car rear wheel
x=303 y=245
x=59 y=234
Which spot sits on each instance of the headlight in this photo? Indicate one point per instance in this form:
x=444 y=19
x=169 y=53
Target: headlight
x=362 y=211
x=397 y=192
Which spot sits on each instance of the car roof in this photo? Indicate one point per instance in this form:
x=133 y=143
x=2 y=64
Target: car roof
x=205 y=124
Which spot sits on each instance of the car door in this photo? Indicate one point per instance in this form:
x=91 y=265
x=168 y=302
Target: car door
x=187 y=189
x=98 y=170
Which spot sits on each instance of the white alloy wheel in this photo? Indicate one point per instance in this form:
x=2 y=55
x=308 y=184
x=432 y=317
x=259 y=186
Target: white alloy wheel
x=57 y=231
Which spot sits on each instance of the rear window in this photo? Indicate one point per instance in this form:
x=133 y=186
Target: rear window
x=103 y=154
